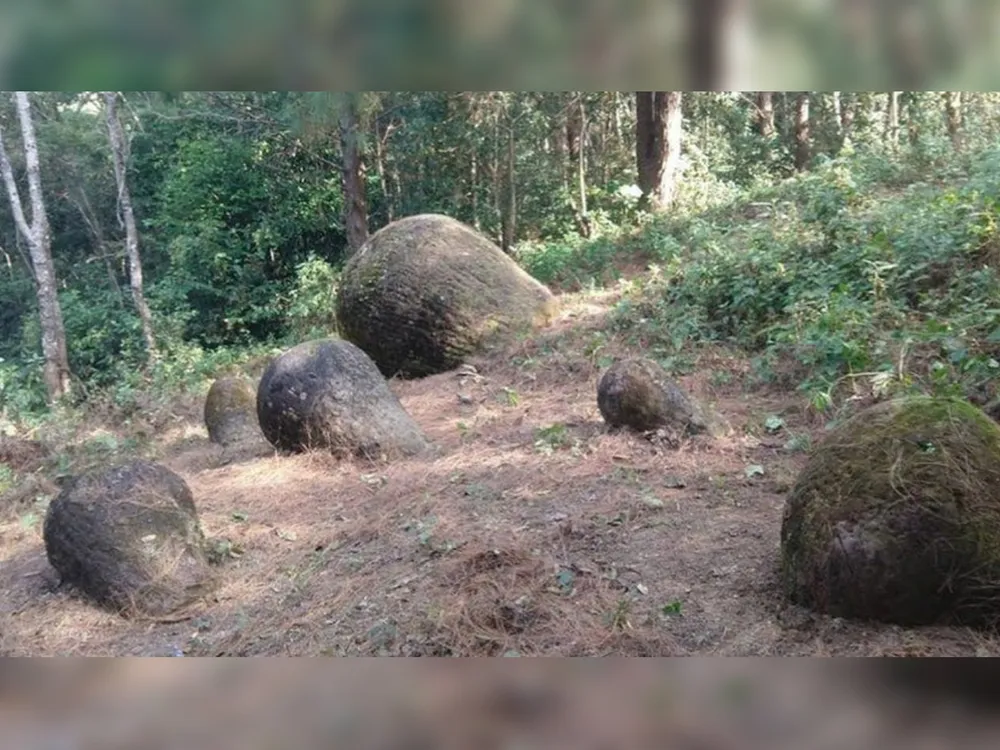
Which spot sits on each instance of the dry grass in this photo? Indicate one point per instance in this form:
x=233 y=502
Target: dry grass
x=533 y=530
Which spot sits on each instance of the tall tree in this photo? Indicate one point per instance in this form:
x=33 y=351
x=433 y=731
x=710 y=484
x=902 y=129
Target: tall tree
x=765 y=114
x=508 y=221
x=848 y=103
x=576 y=139
x=892 y=119
x=953 y=114
x=116 y=136
x=802 y=145
x=38 y=236
x=352 y=174
x=658 y=145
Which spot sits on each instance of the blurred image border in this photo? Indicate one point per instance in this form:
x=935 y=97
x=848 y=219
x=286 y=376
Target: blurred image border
x=501 y=44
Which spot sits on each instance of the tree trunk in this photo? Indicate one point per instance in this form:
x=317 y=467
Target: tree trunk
x=496 y=179
x=116 y=135
x=509 y=226
x=912 y=118
x=474 y=189
x=892 y=120
x=670 y=133
x=560 y=151
x=619 y=131
x=802 y=131
x=765 y=114
x=953 y=111
x=658 y=145
x=583 y=219
x=574 y=129
x=86 y=211
x=38 y=235
x=847 y=109
x=380 y=170
x=838 y=119
x=352 y=176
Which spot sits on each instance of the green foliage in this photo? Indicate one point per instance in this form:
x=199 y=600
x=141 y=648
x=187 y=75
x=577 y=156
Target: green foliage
x=311 y=312
x=849 y=282
x=22 y=391
x=876 y=268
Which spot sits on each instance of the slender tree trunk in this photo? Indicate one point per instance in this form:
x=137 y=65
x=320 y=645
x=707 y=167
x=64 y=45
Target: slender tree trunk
x=602 y=154
x=352 y=176
x=802 y=131
x=560 y=150
x=619 y=131
x=474 y=188
x=509 y=227
x=497 y=181
x=848 y=103
x=116 y=135
x=953 y=112
x=645 y=142
x=381 y=171
x=583 y=219
x=38 y=235
x=892 y=120
x=838 y=118
x=765 y=114
x=86 y=211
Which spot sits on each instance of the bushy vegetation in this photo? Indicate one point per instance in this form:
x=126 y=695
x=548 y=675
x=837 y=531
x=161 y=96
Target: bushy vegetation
x=865 y=274
x=874 y=266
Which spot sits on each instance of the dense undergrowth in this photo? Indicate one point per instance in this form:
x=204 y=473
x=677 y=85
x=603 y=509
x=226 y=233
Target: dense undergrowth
x=865 y=276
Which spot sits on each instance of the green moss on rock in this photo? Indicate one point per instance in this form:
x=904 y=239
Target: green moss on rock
x=896 y=517
x=425 y=292
x=231 y=411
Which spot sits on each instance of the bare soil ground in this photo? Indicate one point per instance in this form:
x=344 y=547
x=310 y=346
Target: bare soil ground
x=533 y=530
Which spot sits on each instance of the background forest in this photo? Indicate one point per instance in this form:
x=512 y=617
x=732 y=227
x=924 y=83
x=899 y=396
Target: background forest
x=839 y=238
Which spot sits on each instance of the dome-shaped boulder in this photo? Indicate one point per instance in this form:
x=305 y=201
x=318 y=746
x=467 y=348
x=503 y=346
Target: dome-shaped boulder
x=231 y=412
x=640 y=395
x=129 y=538
x=896 y=517
x=425 y=292
x=328 y=394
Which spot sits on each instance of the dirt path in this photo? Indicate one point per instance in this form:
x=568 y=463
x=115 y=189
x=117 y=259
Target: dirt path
x=532 y=531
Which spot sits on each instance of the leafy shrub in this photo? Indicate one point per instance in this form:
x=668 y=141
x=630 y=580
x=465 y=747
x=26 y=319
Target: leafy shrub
x=311 y=309
x=848 y=280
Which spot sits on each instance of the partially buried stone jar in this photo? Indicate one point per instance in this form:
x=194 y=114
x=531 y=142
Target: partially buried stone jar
x=328 y=394
x=231 y=412
x=427 y=291
x=896 y=517
x=129 y=538
x=639 y=394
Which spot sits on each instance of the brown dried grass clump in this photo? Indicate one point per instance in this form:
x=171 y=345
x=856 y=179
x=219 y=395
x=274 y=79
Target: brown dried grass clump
x=897 y=518
x=23 y=456
x=508 y=601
